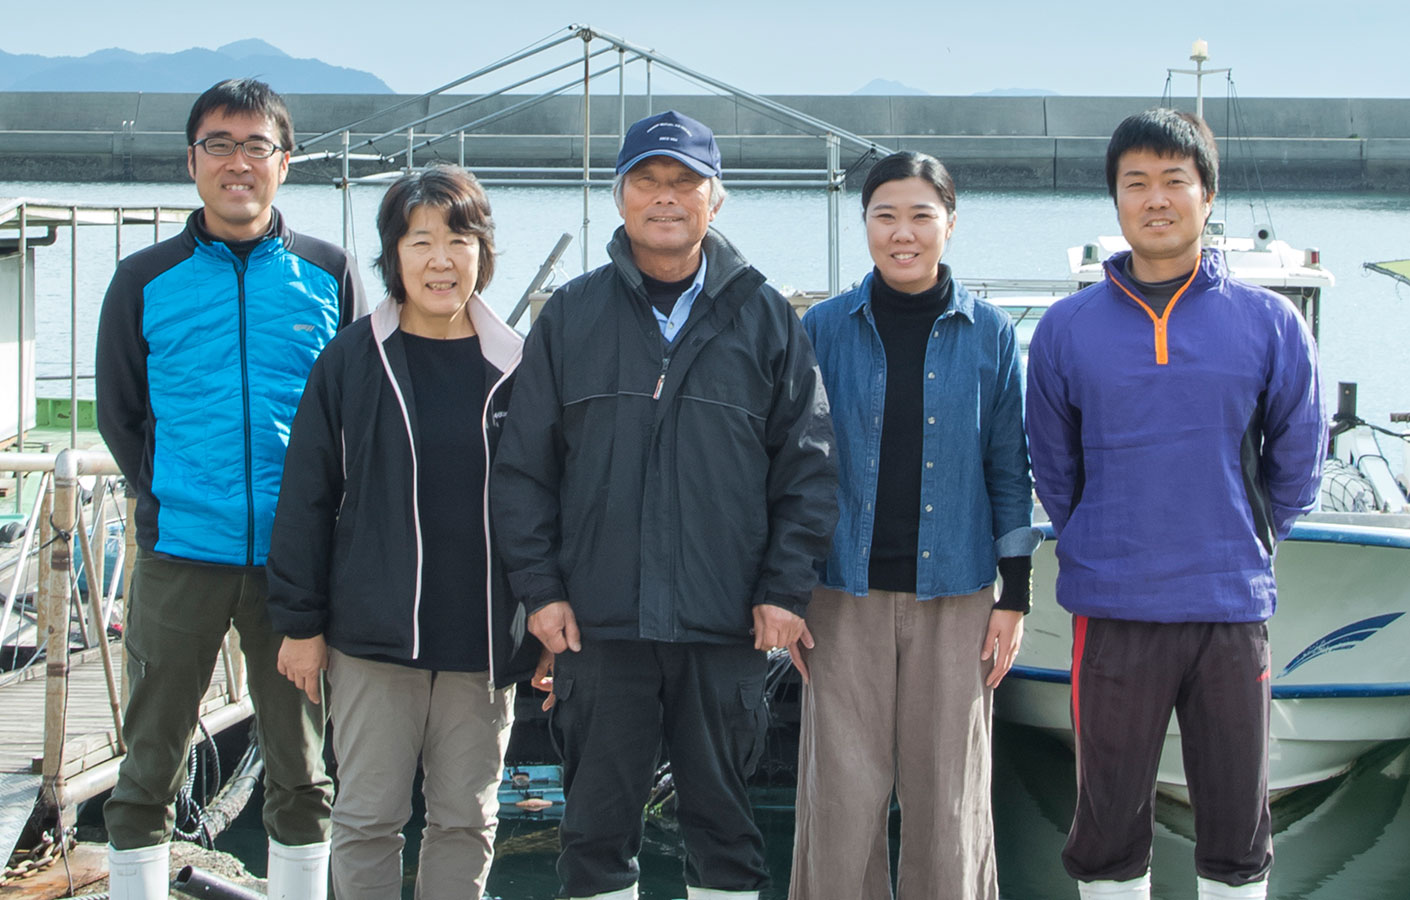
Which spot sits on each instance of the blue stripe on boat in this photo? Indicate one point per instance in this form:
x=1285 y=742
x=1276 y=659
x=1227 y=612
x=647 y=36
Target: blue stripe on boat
x=1280 y=692
x=1325 y=533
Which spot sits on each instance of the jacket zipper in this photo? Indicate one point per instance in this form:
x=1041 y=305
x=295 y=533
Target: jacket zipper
x=485 y=513
x=1161 y=322
x=415 y=491
x=661 y=381
x=240 y=268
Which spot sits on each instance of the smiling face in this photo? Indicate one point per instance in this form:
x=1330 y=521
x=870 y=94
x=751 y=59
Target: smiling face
x=1162 y=207
x=237 y=191
x=438 y=272
x=907 y=227
x=666 y=211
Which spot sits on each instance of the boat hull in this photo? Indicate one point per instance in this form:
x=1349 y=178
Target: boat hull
x=1340 y=674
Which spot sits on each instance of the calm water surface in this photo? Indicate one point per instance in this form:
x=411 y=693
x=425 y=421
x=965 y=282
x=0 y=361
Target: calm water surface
x=1346 y=839
x=999 y=234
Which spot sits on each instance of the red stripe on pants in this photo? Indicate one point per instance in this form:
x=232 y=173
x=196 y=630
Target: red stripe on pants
x=1079 y=644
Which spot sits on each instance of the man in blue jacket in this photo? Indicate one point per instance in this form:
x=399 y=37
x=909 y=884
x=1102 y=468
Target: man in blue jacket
x=204 y=343
x=1176 y=432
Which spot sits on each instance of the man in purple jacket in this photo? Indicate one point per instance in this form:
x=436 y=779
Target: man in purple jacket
x=1176 y=432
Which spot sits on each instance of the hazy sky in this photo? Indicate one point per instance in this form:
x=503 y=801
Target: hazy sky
x=1298 y=48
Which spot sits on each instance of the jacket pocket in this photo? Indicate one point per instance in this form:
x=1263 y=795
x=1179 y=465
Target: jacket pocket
x=562 y=691
x=751 y=725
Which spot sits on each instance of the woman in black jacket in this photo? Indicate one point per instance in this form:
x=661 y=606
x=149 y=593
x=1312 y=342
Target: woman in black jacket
x=382 y=566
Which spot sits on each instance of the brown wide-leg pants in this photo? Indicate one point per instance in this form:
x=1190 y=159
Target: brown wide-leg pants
x=897 y=700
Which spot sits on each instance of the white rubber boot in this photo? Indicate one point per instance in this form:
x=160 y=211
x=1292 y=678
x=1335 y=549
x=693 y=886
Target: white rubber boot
x=1218 y=890
x=626 y=893
x=698 y=893
x=143 y=873
x=298 y=873
x=1135 y=889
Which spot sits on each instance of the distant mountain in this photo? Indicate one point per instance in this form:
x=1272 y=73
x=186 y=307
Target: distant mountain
x=250 y=47
x=186 y=71
x=886 y=87
x=1017 y=92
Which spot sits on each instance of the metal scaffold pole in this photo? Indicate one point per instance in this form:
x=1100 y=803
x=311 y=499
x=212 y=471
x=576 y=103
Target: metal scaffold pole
x=587 y=140
x=347 y=186
x=835 y=177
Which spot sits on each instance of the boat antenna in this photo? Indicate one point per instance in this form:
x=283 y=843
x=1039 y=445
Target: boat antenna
x=1199 y=52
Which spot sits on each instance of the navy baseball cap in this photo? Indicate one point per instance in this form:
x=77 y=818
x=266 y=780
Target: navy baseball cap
x=671 y=134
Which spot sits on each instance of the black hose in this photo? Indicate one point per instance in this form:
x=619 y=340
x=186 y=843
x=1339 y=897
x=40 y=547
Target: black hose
x=194 y=883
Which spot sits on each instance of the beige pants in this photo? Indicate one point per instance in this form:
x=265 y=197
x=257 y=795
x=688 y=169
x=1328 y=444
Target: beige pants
x=386 y=716
x=897 y=700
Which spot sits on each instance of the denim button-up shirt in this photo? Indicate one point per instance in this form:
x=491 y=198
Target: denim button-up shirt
x=976 y=502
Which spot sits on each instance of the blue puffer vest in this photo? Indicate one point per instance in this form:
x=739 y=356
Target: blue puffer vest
x=230 y=347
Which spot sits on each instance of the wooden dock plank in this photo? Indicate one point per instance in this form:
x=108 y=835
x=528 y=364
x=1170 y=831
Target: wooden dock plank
x=90 y=738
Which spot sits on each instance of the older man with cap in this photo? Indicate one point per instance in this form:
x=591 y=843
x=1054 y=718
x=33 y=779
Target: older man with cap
x=664 y=488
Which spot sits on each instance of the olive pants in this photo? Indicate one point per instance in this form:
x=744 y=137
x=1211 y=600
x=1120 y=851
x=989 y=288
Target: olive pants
x=178 y=612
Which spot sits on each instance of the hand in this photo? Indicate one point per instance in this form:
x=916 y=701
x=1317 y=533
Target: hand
x=556 y=628
x=543 y=679
x=302 y=661
x=775 y=626
x=795 y=651
x=1002 y=641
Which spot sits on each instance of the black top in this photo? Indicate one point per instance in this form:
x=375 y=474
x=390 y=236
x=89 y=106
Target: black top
x=342 y=559
x=904 y=322
x=664 y=294
x=1157 y=294
x=448 y=380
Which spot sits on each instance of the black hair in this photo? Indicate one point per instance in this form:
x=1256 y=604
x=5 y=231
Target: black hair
x=243 y=95
x=444 y=187
x=911 y=164
x=1167 y=133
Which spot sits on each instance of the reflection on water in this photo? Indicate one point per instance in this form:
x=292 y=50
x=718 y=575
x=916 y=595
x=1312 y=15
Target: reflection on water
x=1340 y=840
x=1346 y=838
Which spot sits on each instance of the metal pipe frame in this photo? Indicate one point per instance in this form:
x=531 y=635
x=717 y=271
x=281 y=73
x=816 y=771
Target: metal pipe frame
x=833 y=136
x=508 y=110
x=493 y=67
x=23 y=246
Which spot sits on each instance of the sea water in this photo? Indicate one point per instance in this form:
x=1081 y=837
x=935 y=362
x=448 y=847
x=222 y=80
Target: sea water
x=1343 y=839
x=1365 y=328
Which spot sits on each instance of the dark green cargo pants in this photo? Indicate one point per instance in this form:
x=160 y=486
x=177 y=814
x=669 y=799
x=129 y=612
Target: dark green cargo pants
x=178 y=613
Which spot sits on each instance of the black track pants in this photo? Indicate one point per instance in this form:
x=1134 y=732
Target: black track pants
x=1126 y=678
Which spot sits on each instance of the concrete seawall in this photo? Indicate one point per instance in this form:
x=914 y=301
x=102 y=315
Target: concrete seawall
x=996 y=142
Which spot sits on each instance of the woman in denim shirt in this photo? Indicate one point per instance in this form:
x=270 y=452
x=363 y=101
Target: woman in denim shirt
x=907 y=640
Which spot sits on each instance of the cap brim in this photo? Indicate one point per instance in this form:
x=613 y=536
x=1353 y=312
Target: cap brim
x=695 y=165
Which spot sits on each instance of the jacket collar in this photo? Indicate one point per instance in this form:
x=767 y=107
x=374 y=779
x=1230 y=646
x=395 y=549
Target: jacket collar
x=1211 y=269
x=278 y=228
x=501 y=345
x=723 y=261
x=961 y=301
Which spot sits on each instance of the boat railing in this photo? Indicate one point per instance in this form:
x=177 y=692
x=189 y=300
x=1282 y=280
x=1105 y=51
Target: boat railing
x=76 y=602
x=18 y=219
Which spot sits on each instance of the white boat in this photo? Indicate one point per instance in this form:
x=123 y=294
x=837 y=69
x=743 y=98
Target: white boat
x=1340 y=674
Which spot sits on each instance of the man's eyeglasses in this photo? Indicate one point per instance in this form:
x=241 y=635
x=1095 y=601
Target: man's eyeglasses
x=255 y=148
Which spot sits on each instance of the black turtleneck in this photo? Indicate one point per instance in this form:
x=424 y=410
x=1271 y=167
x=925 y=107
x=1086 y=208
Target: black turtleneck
x=904 y=322
x=664 y=294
